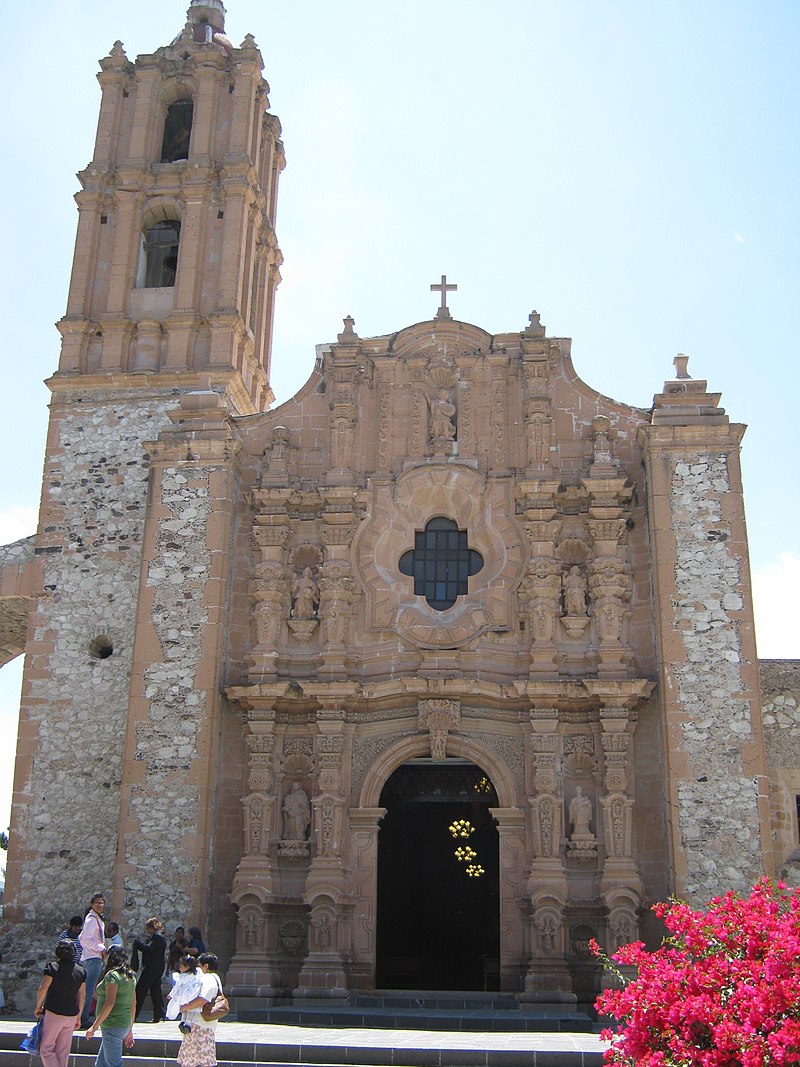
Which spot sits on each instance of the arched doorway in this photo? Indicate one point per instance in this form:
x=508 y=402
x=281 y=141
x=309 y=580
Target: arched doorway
x=438 y=918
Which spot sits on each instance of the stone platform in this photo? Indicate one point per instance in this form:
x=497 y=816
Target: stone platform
x=242 y=1044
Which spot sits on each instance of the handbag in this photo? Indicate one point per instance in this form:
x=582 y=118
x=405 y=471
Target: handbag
x=218 y=1008
x=32 y=1040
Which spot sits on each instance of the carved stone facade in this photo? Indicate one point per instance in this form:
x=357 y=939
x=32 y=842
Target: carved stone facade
x=259 y=665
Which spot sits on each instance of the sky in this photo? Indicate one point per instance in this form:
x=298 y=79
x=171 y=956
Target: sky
x=629 y=170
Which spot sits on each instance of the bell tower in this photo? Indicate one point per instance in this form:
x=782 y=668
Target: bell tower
x=176 y=259
x=165 y=341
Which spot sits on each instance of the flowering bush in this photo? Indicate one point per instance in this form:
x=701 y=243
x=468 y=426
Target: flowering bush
x=722 y=991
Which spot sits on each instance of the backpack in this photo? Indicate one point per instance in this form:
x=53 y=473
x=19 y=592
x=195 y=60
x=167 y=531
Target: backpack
x=218 y=1008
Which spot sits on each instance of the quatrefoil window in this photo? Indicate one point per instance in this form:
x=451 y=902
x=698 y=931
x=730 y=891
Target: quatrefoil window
x=440 y=563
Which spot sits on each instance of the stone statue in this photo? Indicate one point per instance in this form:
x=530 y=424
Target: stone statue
x=580 y=812
x=574 y=592
x=306 y=596
x=442 y=412
x=296 y=814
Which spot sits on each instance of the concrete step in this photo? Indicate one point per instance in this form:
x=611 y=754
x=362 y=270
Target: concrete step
x=419 y=1010
x=241 y=1045
x=418 y=1019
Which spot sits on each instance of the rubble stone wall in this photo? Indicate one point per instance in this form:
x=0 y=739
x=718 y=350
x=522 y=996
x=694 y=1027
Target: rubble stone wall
x=780 y=692
x=164 y=802
x=76 y=683
x=717 y=815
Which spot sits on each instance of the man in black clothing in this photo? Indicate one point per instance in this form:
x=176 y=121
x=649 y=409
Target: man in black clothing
x=152 y=951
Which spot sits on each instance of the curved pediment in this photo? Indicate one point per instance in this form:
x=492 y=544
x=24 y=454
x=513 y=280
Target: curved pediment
x=440 y=340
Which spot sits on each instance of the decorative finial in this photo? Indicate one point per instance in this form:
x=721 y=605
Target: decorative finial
x=348 y=335
x=535 y=328
x=680 y=362
x=443 y=288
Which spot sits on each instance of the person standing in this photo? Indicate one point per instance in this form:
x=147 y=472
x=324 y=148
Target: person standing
x=199 y=1044
x=60 y=1000
x=113 y=936
x=152 y=951
x=93 y=951
x=196 y=944
x=72 y=935
x=177 y=949
x=116 y=1005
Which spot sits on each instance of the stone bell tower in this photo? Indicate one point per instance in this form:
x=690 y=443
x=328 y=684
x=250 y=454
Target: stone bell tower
x=168 y=326
x=176 y=259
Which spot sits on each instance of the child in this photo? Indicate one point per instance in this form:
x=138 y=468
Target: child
x=186 y=987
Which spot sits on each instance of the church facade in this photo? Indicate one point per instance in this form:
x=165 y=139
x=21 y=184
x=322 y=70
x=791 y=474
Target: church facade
x=422 y=679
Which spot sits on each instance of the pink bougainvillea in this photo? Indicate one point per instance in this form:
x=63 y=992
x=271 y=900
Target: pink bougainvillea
x=722 y=991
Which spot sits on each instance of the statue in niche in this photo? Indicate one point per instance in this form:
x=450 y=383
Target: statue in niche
x=574 y=584
x=580 y=813
x=442 y=415
x=547 y=930
x=306 y=596
x=296 y=814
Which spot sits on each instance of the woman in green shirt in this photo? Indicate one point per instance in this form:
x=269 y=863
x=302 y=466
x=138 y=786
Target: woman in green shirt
x=116 y=1008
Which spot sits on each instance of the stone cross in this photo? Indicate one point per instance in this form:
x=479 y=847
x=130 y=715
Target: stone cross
x=443 y=288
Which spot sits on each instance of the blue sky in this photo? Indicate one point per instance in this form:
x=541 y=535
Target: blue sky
x=629 y=170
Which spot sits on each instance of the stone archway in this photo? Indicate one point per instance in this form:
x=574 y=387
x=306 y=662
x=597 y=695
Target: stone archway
x=438 y=900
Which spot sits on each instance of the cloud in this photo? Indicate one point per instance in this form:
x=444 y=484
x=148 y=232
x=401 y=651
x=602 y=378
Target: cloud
x=16 y=523
x=776 y=593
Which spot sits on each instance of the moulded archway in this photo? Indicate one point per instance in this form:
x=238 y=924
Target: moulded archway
x=438 y=899
x=373 y=833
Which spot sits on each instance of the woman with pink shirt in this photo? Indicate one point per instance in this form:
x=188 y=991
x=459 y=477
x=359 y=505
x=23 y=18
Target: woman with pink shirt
x=93 y=955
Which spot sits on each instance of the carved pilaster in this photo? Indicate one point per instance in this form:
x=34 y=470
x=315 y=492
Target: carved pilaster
x=540 y=599
x=270 y=587
x=259 y=803
x=344 y=373
x=546 y=805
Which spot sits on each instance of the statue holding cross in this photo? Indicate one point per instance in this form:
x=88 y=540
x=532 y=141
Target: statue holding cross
x=442 y=287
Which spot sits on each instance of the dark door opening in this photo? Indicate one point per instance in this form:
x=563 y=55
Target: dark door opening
x=438 y=908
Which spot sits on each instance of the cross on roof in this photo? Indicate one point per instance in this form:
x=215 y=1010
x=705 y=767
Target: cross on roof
x=444 y=289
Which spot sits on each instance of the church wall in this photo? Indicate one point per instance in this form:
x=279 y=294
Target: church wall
x=74 y=704
x=712 y=721
x=780 y=692
x=649 y=814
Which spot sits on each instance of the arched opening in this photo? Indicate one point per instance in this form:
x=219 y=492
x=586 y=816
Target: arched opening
x=177 y=131
x=438 y=915
x=159 y=261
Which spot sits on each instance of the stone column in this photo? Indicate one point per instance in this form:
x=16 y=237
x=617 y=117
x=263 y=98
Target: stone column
x=547 y=979
x=511 y=832
x=537 y=404
x=337 y=587
x=610 y=584
x=327 y=884
x=344 y=405
x=115 y=80
x=540 y=591
x=621 y=885
x=271 y=591
x=364 y=830
x=256 y=967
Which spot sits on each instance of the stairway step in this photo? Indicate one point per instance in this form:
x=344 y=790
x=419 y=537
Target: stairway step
x=241 y=1045
x=455 y=1021
x=400 y=1058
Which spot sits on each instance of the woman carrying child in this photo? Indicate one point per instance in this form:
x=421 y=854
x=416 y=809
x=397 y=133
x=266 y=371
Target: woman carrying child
x=199 y=1045
x=188 y=985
